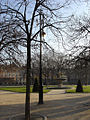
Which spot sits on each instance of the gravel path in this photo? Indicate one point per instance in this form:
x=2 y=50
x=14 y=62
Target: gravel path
x=57 y=105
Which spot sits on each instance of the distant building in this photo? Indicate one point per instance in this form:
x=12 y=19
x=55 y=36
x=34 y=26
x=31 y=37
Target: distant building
x=12 y=74
x=15 y=75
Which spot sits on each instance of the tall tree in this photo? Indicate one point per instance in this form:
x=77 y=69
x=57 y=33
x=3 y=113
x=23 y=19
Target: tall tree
x=11 y=38
x=78 y=37
x=23 y=14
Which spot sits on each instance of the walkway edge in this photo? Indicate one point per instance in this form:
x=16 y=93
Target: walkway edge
x=43 y=117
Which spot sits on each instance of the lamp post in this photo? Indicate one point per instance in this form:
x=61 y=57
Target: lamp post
x=42 y=34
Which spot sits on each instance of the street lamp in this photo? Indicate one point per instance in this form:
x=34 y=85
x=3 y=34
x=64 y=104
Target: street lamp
x=42 y=34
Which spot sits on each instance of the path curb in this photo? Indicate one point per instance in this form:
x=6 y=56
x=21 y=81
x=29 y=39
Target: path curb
x=33 y=117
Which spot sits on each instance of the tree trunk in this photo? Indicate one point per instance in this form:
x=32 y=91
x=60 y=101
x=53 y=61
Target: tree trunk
x=28 y=78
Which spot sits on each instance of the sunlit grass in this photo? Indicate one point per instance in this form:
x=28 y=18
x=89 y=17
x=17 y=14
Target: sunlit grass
x=20 y=89
x=71 y=86
x=86 y=89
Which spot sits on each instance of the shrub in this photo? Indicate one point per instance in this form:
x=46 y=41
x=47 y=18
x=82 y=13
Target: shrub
x=35 y=86
x=79 y=87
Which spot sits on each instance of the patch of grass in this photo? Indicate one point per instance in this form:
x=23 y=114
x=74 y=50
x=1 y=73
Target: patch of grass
x=71 y=91
x=72 y=86
x=48 y=86
x=86 y=89
x=14 y=89
x=45 y=90
x=20 y=89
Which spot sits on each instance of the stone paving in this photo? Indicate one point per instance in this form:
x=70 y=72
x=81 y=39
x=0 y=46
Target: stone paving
x=57 y=105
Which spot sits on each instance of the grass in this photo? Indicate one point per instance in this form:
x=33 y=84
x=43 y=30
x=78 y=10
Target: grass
x=86 y=89
x=20 y=89
x=72 y=86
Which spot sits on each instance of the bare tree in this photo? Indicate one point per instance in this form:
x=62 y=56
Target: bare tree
x=78 y=39
x=24 y=15
x=78 y=34
x=11 y=37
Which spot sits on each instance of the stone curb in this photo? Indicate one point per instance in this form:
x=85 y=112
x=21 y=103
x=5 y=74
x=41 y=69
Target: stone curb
x=33 y=117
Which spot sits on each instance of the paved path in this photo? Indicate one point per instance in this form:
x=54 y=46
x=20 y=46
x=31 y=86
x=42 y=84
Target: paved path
x=57 y=105
x=56 y=92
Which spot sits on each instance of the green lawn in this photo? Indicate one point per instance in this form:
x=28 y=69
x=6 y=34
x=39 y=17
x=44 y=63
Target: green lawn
x=20 y=89
x=86 y=89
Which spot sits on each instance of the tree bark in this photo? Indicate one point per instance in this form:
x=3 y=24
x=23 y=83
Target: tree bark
x=28 y=78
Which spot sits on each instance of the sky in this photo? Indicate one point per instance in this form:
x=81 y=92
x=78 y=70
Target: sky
x=78 y=9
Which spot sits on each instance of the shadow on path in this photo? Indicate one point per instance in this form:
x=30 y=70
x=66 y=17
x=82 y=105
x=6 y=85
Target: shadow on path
x=61 y=108
x=52 y=109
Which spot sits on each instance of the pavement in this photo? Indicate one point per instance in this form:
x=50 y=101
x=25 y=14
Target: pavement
x=58 y=105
